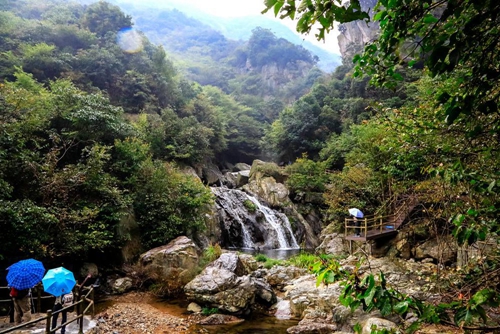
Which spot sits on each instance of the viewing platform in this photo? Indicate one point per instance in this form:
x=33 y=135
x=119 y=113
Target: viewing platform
x=376 y=227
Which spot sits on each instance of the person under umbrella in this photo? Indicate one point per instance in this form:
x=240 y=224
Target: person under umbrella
x=356 y=213
x=60 y=283
x=22 y=276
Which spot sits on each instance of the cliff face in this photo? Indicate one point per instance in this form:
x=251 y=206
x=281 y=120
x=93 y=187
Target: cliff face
x=354 y=35
x=276 y=78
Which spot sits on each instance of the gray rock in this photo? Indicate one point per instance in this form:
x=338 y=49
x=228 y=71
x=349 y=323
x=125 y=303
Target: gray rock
x=173 y=264
x=280 y=276
x=379 y=323
x=332 y=244
x=221 y=288
x=121 y=285
x=241 y=167
x=264 y=291
x=220 y=319
x=194 y=308
x=242 y=178
x=313 y=328
x=230 y=262
x=212 y=175
x=443 y=250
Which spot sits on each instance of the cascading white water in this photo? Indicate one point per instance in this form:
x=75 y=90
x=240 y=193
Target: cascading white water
x=260 y=228
x=233 y=210
x=279 y=222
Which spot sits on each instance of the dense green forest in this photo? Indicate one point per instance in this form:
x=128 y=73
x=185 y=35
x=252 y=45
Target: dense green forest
x=440 y=144
x=96 y=121
x=92 y=131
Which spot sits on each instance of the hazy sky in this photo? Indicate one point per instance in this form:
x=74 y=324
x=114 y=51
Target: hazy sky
x=235 y=8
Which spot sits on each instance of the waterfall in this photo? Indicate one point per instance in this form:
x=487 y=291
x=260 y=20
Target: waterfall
x=232 y=209
x=280 y=223
x=243 y=226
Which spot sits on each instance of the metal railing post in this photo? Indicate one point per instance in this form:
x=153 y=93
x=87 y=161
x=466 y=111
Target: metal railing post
x=38 y=300
x=80 y=306
x=48 y=321
x=11 y=313
x=92 y=296
x=366 y=226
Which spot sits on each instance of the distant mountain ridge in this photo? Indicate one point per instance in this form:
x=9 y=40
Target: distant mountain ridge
x=240 y=28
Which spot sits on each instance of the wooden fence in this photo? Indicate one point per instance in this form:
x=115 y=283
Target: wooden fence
x=83 y=304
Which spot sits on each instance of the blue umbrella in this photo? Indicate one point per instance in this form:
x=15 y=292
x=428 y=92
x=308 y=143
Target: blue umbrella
x=58 y=281
x=25 y=274
x=356 y=213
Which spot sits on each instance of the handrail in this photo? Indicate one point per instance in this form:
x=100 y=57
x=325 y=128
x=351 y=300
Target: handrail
x=80 y=314
x=380 y=222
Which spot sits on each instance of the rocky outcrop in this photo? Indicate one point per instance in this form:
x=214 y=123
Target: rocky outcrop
x=121 y=285
x=220 y=319
x=443 y=250
x=281 y=276
x=225 y=285
x=211 y=175
x=271 y=192
x=354 y=35
x=174 y=264
x=332 y=242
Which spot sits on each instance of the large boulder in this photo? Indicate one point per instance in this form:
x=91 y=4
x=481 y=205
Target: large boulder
x=121 y=285
x=304 y=296
x=242 y=178
x=266 y=188
x=230 y=262
x=333 y=243
x=174 y=264
x=280 y=276
x=225 y=285
x=220 y=288
x=442 y=251
x=241 y=166
x=261 y=169
x=211 y=174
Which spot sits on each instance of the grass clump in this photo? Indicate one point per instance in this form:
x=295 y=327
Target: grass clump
x=268 y=262
x=210 y=254
x=249 y=205
x=304 y=260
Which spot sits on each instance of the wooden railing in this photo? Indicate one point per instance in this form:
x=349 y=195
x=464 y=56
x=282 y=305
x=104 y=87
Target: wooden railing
x=369 y=227
x=363 y=225
x=84 y=299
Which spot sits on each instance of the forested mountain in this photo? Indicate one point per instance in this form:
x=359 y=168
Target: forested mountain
x=263 y=65
x=236 y=29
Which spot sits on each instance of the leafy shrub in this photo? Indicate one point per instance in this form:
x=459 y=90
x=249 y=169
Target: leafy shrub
x=307 y=176
x=251 y=207
x=168 y=203
x=209 y=311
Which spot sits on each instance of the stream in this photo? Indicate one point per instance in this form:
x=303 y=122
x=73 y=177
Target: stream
x=255 y=324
